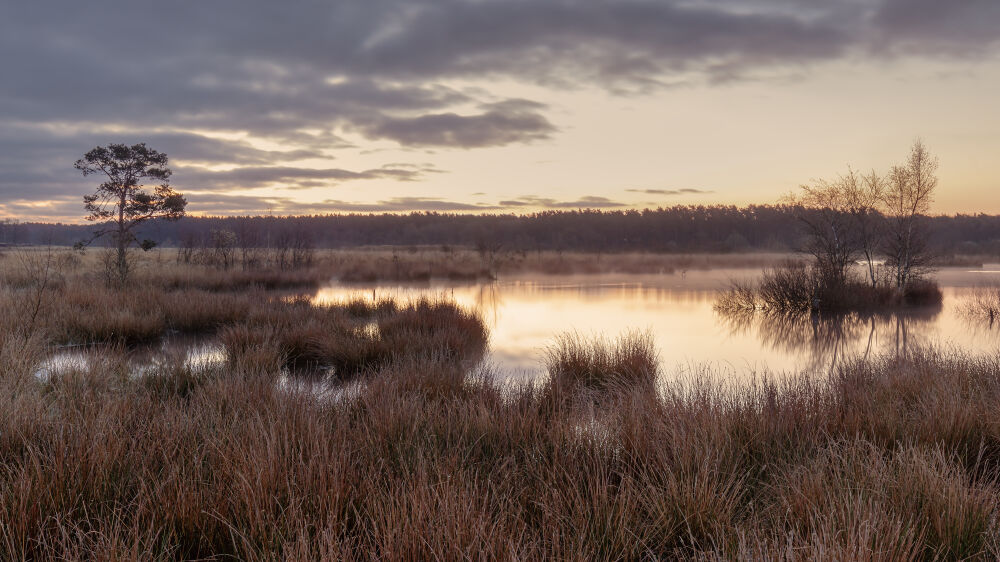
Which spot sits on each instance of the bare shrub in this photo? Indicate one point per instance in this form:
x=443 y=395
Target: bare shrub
x=791 y=288
x=741 y=296
x=40 y=272
x=117 y=266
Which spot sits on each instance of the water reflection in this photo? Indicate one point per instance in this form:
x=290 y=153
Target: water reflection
x=824 y=340
x=196 y=354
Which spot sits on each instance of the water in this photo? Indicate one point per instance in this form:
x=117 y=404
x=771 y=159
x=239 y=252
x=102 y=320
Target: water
x=193 y=353
x=525 y=313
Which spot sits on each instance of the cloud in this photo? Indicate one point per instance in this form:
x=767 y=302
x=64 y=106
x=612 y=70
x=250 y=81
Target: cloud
x=276 y=69
x=228 y=204
x=201 y=179
x=208 y=202
x=933 y=25
x=221 y=203
x=382 y=65
x=586 y=202
x=513 y=121
x=608 y=43
x=37 y=162
x=191 y=147
x=67 y=209
x=397 y=204
x=405 y=204
x=683 y=191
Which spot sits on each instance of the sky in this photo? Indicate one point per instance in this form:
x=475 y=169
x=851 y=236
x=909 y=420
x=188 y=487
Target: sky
x=495 y=106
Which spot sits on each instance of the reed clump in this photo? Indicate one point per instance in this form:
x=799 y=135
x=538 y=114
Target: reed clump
x=84 y=313
x=433 y=328
x=575 y=362
x=983 y=303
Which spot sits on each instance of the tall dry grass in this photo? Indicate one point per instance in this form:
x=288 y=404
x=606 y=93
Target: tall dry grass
x=983 y=303
x=354 y=337
x=578 y=364
x=892 y=458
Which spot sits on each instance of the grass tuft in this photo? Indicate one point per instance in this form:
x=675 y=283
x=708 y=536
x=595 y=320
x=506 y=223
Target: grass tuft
x=575 y=363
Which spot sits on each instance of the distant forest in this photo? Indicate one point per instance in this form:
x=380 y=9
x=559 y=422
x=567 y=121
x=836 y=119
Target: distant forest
x=675 y=229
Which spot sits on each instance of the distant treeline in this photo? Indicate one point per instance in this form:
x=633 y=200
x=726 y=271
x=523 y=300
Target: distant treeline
x=721 y=228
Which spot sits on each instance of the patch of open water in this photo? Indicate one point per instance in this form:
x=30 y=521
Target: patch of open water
x=525 y=313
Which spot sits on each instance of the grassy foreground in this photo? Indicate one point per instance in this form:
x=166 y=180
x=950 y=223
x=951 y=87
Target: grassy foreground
x=888 y=459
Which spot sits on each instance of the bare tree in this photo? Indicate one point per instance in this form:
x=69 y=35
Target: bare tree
x=281 y=248
x=40 y=270
x=866 y=194
x=303 y=247
x=188 y=244
x=488 y=249
x=121 y=199
x=829 y=222
x=223 y=248
x=248 y=240
x=8 y=231
x=906 y=201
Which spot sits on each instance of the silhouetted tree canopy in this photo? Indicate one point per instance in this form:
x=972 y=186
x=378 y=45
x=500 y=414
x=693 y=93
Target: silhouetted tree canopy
x=716 y=228
x=121 y=202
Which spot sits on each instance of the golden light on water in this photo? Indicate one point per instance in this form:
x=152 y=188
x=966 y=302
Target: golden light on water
x=524 y=314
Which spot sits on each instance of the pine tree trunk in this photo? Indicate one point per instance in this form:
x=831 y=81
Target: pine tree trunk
x=122 y=259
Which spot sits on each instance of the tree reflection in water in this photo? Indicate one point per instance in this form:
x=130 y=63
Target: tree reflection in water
x=825 y=340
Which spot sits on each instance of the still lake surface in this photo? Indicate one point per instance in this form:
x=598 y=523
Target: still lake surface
x=525 y=313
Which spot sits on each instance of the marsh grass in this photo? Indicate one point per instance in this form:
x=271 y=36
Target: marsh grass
x=984 y=304
x=354 y=337
x=889 y=458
